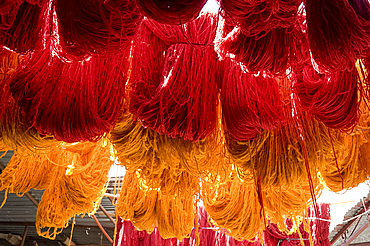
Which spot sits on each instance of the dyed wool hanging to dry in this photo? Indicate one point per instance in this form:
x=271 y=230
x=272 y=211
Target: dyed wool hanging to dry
x=331 y=98
x=127 y=235
x=338 y=32
x=77 y=187
x=249 y=102
x=273 y=52
x=143 y=149
x=260 y=17
x=171 y=12
x=148 y=208
x=352 y=162
x=96 y=27
x=77 y=101
x=26 y=170
x=277 y=156
x=234 y=205
x=21 y=25
x=16 y=133
x=181 y=100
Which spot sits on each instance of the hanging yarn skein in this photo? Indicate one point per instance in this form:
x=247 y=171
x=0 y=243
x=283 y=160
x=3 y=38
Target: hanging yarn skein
x=256 y=18
x=26 y=170
x=77 y=187
x=250 y=102
x=181 y=102
x=76 y=101
x=21 y=25
x=96 y=27
x=15 y=133
x=338 y=32
x=171 y=12
x=147 y=208
x=143 y=149
x=272 y=52
x=234 y=205
x=331 y=98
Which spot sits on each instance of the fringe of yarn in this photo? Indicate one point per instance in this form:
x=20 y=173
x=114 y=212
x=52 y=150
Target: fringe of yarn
x=21 y=26
x=77 y=187
x=24 y=171
x=171 y=12
x=250 y=102
x=147 y=208
x=331 y=98
x=337 y=34
x=95 y=27
x=77 y=101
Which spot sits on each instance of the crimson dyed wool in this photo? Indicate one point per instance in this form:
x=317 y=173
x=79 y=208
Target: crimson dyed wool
x=249 y=102
x=338 y=32
x=21 y=26
x=258 y=17
x=331 y=98
x=177 y=93
x=171 y=12
x=273 y=52
x=91 y=27
x=127 y=235
x=76 y=101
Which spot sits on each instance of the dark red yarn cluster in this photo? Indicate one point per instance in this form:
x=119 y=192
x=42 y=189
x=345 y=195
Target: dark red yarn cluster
x=75 y=101
x=21 y=25
x=174 y=88
x=171 y=12
x=331 y=98
x=96 y=27
x=338 y=32
x=250 y=102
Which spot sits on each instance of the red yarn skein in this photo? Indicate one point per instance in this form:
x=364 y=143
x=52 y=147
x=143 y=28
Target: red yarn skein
x=331 y=98
x=76 y=101
x=338 y=32
x=96 y=27
x=249 y=102
x=258 y=17
x=175 y=92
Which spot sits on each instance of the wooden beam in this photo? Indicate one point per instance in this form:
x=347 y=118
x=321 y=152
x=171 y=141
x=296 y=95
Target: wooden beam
x=106 y=214
x=102 y=229
x=346 y=226
x=356 y=234
x=24 y=235
x=13 y=223
x=360 y=244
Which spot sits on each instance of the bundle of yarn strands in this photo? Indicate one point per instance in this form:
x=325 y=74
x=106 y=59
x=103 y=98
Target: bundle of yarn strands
x=250 y=112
